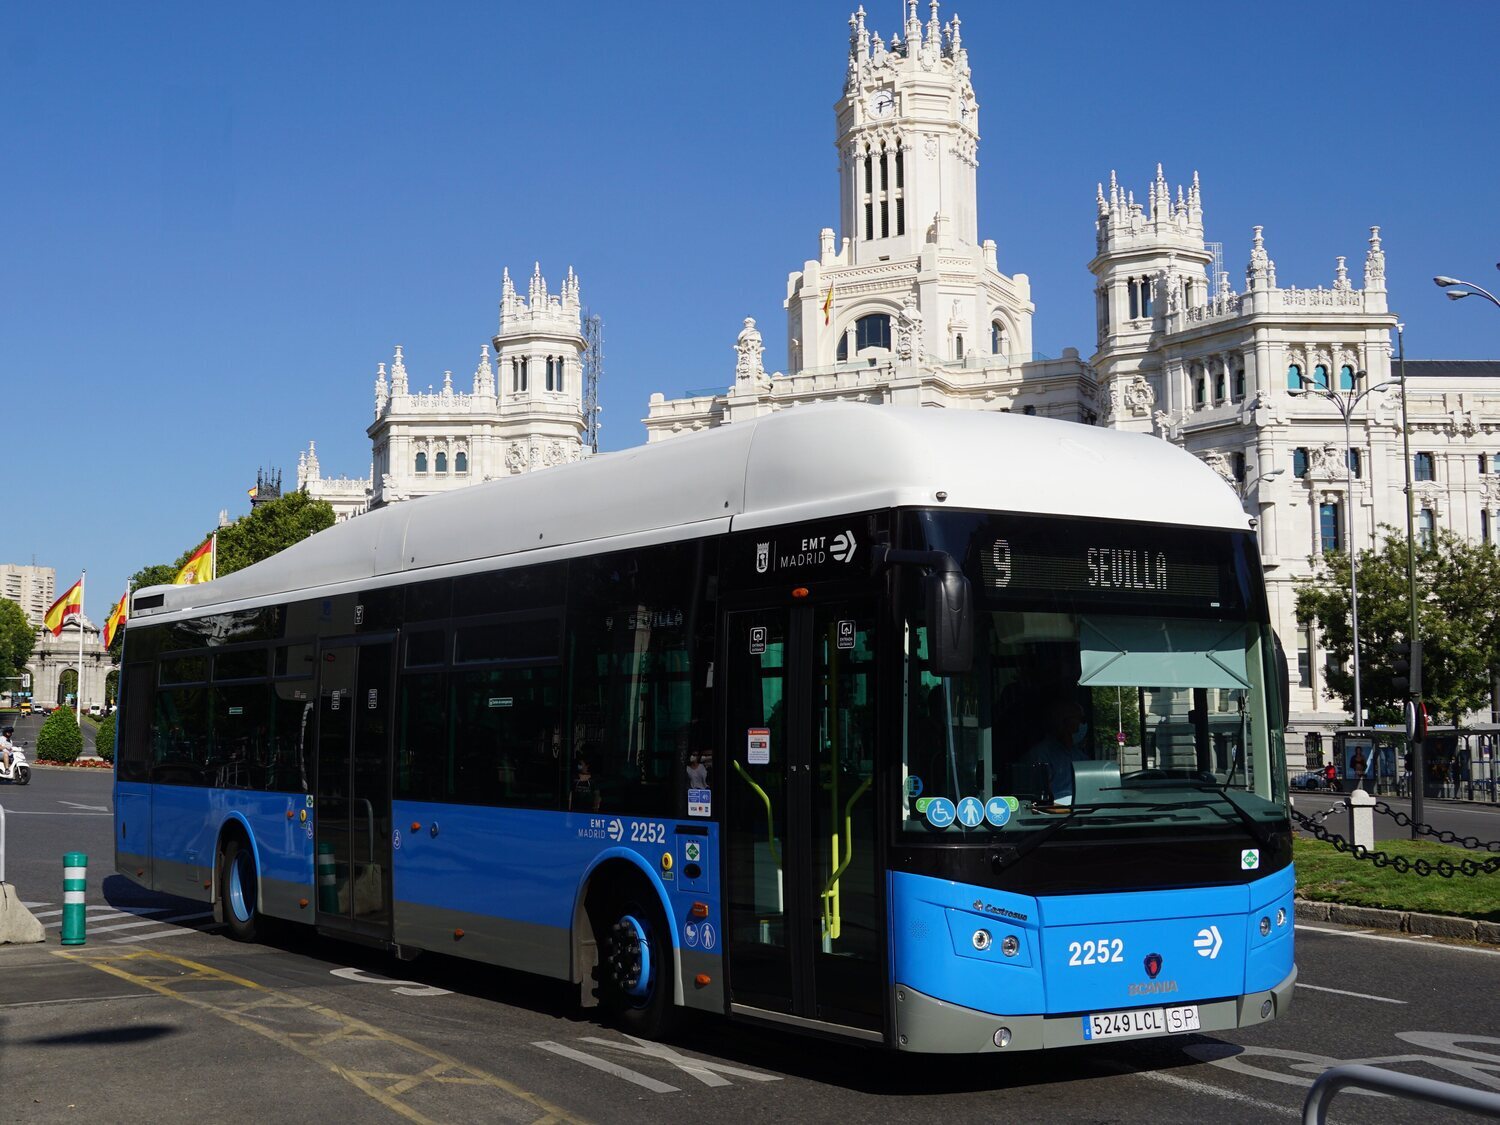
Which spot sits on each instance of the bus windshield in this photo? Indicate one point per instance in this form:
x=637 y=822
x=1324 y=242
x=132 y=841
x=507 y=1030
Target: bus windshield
x=1119 y=670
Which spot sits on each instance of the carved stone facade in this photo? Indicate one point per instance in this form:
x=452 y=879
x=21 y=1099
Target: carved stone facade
x=52 y=656
x=1179 y=353
x=523 y=411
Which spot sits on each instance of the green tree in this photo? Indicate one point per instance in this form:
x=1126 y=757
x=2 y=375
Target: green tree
x=1116 y=709
x=67 y=685
x=1458 y=619
x=104 y=739
x=111 y=687
x=270 y=528
x=17 y=638
x=60 y=739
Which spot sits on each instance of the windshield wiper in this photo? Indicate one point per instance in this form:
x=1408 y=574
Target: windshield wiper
x=1002 y=860
x=1258 y=831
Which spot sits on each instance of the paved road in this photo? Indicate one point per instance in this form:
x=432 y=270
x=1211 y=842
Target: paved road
x=29 y=726
x=172 y=1020
x=1481 y=821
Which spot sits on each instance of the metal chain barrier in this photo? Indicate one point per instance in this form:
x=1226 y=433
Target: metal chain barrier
x=1444 y=868
x=1473 y=843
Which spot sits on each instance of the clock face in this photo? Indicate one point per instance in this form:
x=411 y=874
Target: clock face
x=883 y=104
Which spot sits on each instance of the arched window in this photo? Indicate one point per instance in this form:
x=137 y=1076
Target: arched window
x=460 y=462
x=421 y=462
x=525 y=378
x=1219 y=385
x=958 y=346
x=1293 y=378
x=557 y=375
x=515 y=375
x=1320 y=376
x=1200 y=392
x=873 y=331
x=843 y=352
x=552 y=371
x=999 y=342
x=1346 y=378
x=441 y=464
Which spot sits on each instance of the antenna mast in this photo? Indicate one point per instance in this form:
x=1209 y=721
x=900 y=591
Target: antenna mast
x=593 y=368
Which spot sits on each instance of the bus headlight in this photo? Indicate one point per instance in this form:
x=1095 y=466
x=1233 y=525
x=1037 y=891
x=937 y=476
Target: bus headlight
x=1281 y=916
x=1265 y=927
x=981 y=940
x=1002 y=1037
x=1010 y=947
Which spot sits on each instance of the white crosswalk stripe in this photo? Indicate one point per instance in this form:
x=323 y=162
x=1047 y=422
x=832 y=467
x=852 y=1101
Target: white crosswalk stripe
x=130 y=918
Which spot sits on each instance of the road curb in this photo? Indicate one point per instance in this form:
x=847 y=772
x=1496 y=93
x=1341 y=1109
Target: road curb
x=1402 y=921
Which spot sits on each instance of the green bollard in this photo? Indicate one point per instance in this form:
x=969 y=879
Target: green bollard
x=75 y=914
x=328 y=891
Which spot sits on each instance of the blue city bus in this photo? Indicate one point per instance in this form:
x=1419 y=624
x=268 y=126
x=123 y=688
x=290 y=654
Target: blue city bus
x=945 y=731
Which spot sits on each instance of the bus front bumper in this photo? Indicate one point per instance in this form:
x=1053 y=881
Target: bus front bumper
x=934 y=1026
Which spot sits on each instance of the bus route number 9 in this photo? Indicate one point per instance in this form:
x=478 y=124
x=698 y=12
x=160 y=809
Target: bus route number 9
x=648 y=832
x=1000 y=556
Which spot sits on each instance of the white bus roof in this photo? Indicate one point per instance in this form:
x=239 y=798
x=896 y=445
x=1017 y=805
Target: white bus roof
x=794 y=465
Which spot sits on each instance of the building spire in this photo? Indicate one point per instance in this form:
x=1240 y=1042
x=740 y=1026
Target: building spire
x=1375 y=262
x=398 y=373
x=484 y=374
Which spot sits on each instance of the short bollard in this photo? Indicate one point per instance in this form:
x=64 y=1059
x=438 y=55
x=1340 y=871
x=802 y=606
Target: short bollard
x=1362 y=818
x=75 y=914
x=328 y=891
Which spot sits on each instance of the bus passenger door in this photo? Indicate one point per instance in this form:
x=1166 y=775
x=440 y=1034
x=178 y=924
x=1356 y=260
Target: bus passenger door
x=804 y=909
x=353 y=836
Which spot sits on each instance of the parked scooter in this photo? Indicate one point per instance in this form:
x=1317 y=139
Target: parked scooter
x=20 y=771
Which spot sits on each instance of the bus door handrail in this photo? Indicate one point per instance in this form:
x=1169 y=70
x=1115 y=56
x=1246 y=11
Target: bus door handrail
x=1429 y=1090
x=832 y=915
x=770 y=819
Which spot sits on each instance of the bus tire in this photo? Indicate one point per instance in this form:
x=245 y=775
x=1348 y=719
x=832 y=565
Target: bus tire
x=636 y=965
x=239 y=884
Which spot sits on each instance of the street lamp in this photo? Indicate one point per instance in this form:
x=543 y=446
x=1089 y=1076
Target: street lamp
x=1346 y=403
x=1459 y=289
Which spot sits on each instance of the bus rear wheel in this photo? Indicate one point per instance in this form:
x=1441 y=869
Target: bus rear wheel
x=635 y=960
x=238 y=891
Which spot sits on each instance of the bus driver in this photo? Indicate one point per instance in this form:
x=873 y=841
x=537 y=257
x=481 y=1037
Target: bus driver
x=1063 y=742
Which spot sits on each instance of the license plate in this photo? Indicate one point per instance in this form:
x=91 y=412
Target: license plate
x=1140 y=1021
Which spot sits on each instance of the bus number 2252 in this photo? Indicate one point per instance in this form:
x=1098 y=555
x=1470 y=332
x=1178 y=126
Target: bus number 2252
x=647 y=832
x=1101 y=952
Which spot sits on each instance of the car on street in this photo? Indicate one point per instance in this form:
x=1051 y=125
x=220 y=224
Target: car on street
x=1310 y=779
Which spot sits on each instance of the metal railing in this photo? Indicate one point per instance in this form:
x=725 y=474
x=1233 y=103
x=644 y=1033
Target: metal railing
x=1429 y=1090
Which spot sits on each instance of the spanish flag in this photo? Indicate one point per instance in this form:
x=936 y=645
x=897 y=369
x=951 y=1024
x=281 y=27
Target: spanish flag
x=253 y=492
x=116 y=619
x=828 y=303
x=67 y=607
x=200 y=567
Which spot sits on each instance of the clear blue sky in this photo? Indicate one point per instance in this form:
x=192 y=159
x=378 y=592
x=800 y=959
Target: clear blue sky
x=218 y=219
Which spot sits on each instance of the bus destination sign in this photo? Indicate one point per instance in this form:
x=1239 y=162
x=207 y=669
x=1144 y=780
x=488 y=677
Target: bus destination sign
x=1102 y=569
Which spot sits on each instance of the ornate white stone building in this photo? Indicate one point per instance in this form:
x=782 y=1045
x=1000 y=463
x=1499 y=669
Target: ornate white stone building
x=906 y=305
x=53 y=656
x=524 y=410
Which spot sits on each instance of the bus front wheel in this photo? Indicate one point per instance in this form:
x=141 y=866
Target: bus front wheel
x=635 y=967
x=238 y=890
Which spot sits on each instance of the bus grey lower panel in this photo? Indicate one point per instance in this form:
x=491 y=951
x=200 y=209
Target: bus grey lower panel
x=281 y=899
x=710 y=997
x=128 y=865
x=185 y=880
x=528 y=946
x=934 y=1026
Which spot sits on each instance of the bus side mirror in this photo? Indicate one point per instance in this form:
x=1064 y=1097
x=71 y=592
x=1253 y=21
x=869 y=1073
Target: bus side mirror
x=950 y=623
x=1284 y=674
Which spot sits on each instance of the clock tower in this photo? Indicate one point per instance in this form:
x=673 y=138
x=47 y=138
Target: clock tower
x=908 y=138
x=906 y=282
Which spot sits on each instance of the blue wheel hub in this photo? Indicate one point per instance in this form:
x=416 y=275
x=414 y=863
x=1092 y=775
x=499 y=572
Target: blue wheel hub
x=630 y=957
x=240 y=891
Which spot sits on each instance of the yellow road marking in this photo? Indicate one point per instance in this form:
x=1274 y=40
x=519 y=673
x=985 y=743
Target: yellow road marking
x=249 y=1011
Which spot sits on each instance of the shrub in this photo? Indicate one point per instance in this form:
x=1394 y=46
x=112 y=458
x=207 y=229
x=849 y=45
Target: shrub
x=60 y=740
x=104 y=738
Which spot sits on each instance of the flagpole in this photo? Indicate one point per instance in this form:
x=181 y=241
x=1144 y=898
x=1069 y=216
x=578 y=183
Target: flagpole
x=214 y=556
x=78 y=693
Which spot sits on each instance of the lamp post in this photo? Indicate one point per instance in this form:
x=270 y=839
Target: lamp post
x=1346 y=403
x=1458 y=289
x=1411 y=580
